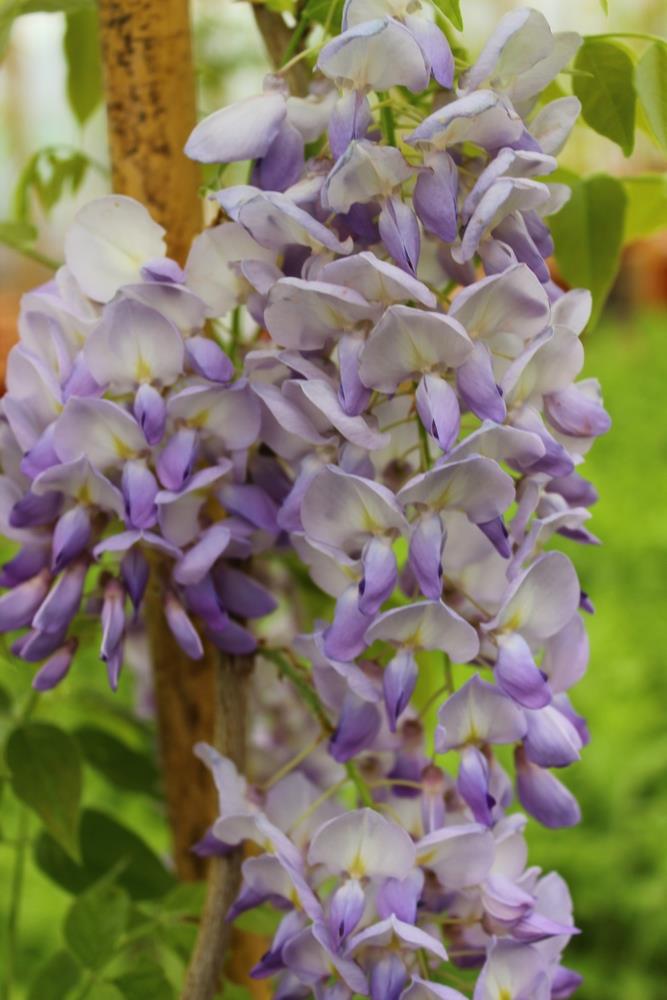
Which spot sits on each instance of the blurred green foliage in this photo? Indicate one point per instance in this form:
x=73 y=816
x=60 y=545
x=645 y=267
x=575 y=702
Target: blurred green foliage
x=615 y=862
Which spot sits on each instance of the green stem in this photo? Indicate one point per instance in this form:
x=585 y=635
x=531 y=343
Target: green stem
x=300 y=681
x=294 y=41
x=424 y=446
x=359 y=783
x=387 y=121
x=449 y=676
x=15 y=893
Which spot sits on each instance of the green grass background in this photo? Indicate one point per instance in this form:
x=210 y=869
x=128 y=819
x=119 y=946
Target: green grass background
x=616 y=861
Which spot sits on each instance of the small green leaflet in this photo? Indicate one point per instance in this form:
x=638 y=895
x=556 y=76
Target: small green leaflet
x=588 y=235
x=651 y=84
x=452 y=11
x=604 y=83
x=55 y=978
x=647 y=205
x=95 y=922
x=45 y=765
x=84 y=62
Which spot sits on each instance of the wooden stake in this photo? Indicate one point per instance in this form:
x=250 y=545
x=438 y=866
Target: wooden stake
x=150 y=99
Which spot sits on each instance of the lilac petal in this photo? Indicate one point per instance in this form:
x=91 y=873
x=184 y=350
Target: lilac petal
x=134 y=343
x=577 y=414
x=536 y=927
x=393 y=931
x=505 y=198
x=377 y=54
x=35 y=645
x=438 y=409
x=518 y=675
x=62 y=601
x=150 y=411
x=252 y=503
x=107 y=243
x=482 y=117
x=435 y=47
x=520 y=39
x=208 y=359
x=505 y=903
x=125 y=540
x=41 y=456
x=140 y=489
x=408 y=342
x=380 y=575
x=163 y=269
x=387 y=977
x=554 y=122
x=423 y=989
x=241 y=131
x=564 y=983
x=460 y=856
x=182 y=629
x=275 y=222
x=71 y=535
x=477 y=386
x=27 y=562
x=490 y=308
x=56 y=667
x=101 y=431
x=478 y=712
x=427 y=625
x=234 y=639
x=199 y=559
x=378 y=280
x=176 y=460
x=435 y=197
x=543 y=796
x=498 y=535
x=508 y=163
x=312 y=960
x=477 y=486
x=113 y=619
x=135 y=572
x=350 y=119
x=566 y=656
x=516 y=970
x=114 y=667
x=283 y=162
x=346 y=909
x=398 y=683
x=306 y=314
x=231 y=414
x=399 y=231
x=400 y=896
x=542 y=600
x=34 y=510
x=551 y=739
x=242 y=595
x=362 y=843
x=503 y=443
x=18 y=606
x=344 y=510
x=427 y=541
x=353 y=394
x=358 y=724
x=472 y=784
x=81 y=481
x=205 y=601
x=365 y=172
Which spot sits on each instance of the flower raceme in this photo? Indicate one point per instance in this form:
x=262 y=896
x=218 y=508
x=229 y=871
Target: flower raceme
x=409 y=417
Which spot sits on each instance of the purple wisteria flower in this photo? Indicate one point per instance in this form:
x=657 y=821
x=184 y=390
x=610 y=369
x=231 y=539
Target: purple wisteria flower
x=402 y=406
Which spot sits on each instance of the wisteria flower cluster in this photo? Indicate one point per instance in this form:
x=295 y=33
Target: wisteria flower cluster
x=409 y=416
x=124 y=438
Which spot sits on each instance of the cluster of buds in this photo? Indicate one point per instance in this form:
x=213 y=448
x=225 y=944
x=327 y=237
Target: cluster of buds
x=409 y=417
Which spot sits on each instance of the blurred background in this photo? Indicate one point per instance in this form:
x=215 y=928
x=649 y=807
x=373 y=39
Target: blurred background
x=616 y=862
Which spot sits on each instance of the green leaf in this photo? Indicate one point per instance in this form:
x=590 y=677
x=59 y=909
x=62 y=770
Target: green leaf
x=105 y=843
x=647 y=205
x=95 y=923
x=55 y=978
x=324 y=12
x=5 y=701
x=11 y=9
x=84 y=64
x=588 y=236
x=49 y=174
x=105 y=991
x=604 y=83
x=123 y=767
x=147 y=980
x=452 y=11
x=651 y=84
x=45 y=764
